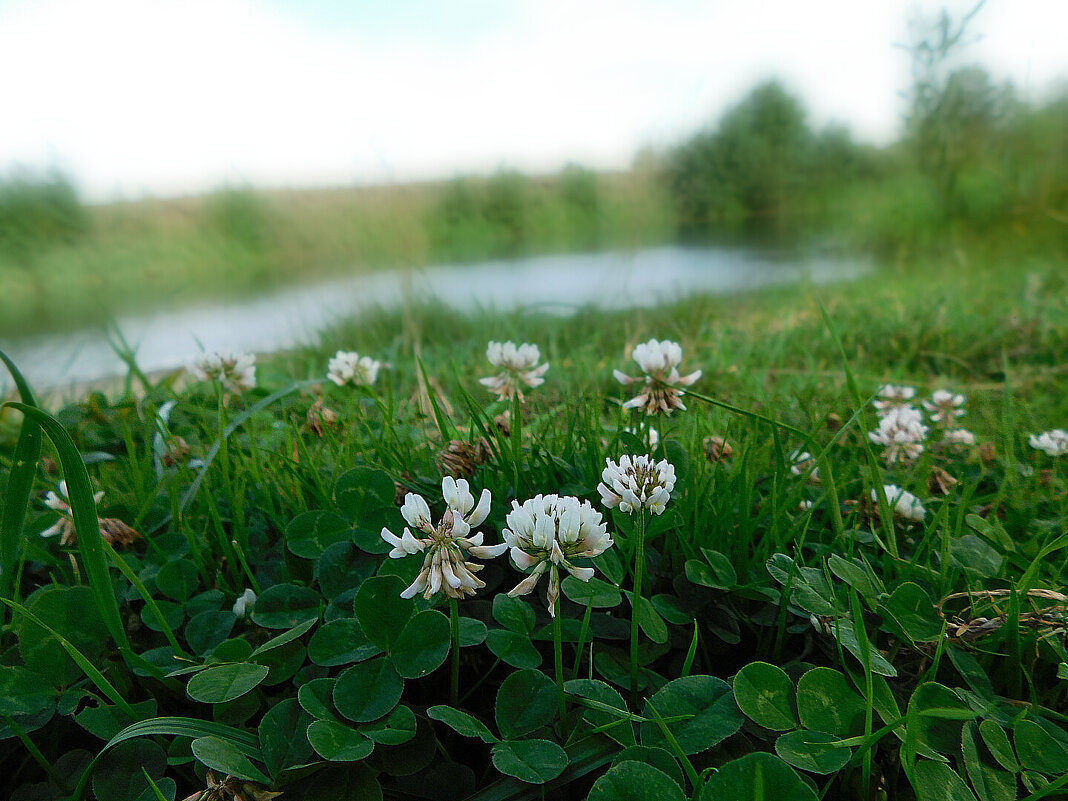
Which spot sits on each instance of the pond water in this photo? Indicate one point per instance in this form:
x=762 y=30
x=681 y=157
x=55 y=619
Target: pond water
x=295 y=315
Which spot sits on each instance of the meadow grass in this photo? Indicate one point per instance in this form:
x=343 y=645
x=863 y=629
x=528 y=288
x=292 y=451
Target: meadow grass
x=789 y=629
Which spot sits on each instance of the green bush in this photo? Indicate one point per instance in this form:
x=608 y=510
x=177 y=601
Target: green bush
x=37 y=212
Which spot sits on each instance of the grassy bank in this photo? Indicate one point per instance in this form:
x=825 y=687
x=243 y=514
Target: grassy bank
x=787 y=627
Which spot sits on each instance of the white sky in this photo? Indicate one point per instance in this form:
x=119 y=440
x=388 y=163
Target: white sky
x=165 y=97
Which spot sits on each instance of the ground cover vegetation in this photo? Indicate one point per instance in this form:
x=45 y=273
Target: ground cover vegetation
x=351 y=572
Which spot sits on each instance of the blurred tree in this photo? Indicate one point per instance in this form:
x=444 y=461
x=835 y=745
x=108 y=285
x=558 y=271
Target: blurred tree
x=582 y=206
x=37 y=212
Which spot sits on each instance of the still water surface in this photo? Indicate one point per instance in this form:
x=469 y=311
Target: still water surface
x=295 y=315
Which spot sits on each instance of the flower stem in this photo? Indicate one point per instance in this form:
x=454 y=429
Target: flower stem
x=558 y=663
x=636 y=599
x=454 y=620
x=582 y=638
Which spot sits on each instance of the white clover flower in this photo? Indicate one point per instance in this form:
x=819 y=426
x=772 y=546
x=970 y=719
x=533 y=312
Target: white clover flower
x=447 y=545
x=659 y=361
x=519 y=366
x=804 y=505
x=903 y=503
x=901 y=434
x=959 y=437
x=64 y=527
x=892 y=396
x=244 y=604
x=546 y=533
x=801 y=462
x=1053 y=443
x=348 y=367
x=235 y=371
x=945 y=407
x=652 y=438
x=637 y=482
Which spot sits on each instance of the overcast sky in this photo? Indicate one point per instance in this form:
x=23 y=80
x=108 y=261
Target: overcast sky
x=165 y=97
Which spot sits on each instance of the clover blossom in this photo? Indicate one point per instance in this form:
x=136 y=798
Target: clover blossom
x=893 y=396
x=64 y=527
x=659 y=361
x=637 y=482
x=901 y=433
x=244 y=604
x=235 y=371
x=519 y=366
x=447 y=545
x=903 y=503
x=348 y=367
x=960 y=437
x=802 y=463
x=1053 y=443
x=546 y=533
x=652 y=436
x=945 y=407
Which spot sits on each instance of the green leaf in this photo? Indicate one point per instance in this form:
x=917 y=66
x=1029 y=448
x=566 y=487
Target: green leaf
x=396 y=728
x=857 y=574
x=368 y=691
x=422 y=646
x=1038 y=750
x=284 y=639
x=635 y=781
x=974 y=555
x=605 y=696
x=514 y=614
x=513 y=648
x=123 y=769
x=656 y=757
x=178 y=579
x=342 y=568
x=935 y=718
x=337 y=742
x=649 y=619
x=381 y=611
x=936 y=781
x=106 y=720
x=23 y=692
x=222 y=755
x=595 y=592
x=526 y=701
x=531 y=761
x=826 y=702
x=362 y=491
x=462 y=723
x=843 y=631
x=997 y=742
x=472 y=632
x=285 y=606
x=990 y=783
x=709 y=709
x=808 y=750
x=309 y=534
x=910 y=614
x=206 y=630
x=756 y=777
x=224 y=683
x=283 y=739
x=766 y=695
x=340 y=642
x=317 y=698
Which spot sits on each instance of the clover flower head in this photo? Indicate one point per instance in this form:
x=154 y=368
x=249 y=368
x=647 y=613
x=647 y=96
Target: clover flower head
x=901 y=433
x=637 y=482
x=519 y=366
x=546 y=533
x=244 y=604
x=803 y=462
x=447 y=545
x=945 y=407
x=349 y=367
x=59 y=501
x=1053 y=443
x=235 y=371
x=659 y=360
x=960 y=437
x=892 y=396
x=903 y=503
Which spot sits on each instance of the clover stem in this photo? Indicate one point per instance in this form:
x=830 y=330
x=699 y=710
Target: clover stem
x=636 y=599
x=454 y=620
x=558 y=661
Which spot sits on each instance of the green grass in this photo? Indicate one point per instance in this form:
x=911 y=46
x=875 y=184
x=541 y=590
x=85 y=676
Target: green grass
x=734 y=560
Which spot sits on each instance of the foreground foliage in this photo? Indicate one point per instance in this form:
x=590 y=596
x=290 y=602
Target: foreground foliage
x=792 y=636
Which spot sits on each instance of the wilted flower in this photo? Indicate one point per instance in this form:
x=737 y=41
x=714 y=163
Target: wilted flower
x=892 y=396
x=235 y=371
x=945 y=407
x=546 y=533
x=802 y=462
x=348 y=367
x=1054 y=443
x=519 y=366
x=659 y=361
x=447 y=546
x=176 y=451
x=941 y=482
x=717 y=448
x=903 y=503
x=244 y=604
x=459 y=458
x=960 y=437
x=64 y=527
x=320 y=418
x=637 y=482
x=231 y=788
x=901 y=433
